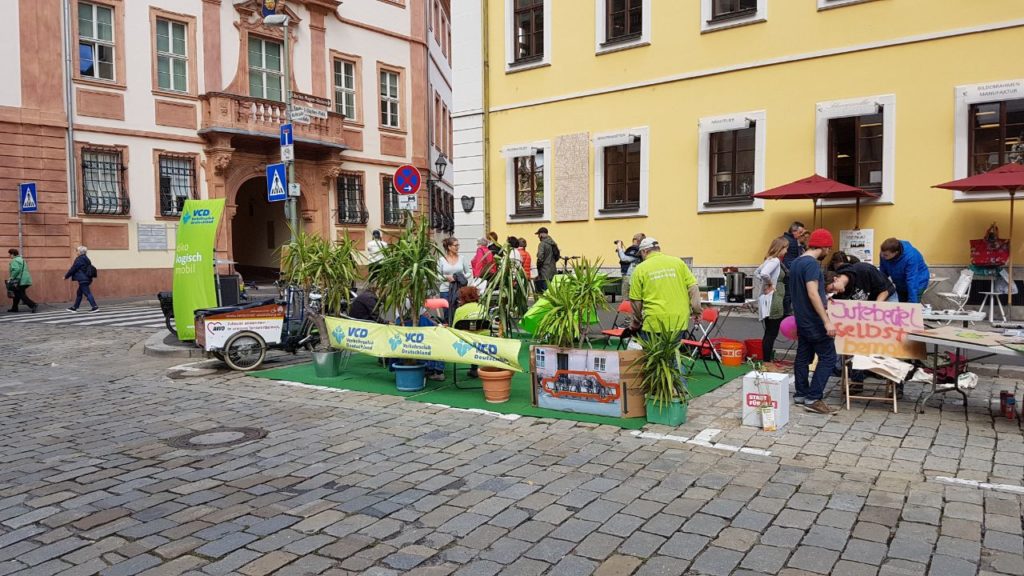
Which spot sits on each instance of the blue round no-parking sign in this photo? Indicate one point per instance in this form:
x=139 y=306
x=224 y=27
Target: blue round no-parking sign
x=407 y=180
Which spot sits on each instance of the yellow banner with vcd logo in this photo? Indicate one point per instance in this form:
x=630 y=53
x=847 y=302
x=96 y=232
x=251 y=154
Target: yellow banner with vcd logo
x=423 y=343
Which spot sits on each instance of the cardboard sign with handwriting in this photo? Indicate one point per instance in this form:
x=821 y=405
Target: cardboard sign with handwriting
x=867 y=328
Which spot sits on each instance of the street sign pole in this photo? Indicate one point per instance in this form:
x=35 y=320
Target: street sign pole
x=292 y=205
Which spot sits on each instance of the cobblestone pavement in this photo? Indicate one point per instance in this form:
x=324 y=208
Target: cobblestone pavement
x=346 y=482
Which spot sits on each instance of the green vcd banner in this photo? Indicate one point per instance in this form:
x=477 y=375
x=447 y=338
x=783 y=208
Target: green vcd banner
x=194 y=271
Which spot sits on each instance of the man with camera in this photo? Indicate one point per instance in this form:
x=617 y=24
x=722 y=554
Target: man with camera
x=628 y=259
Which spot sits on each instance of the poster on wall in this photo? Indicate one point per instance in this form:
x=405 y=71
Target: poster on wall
x=194 y=272
x=859 y=243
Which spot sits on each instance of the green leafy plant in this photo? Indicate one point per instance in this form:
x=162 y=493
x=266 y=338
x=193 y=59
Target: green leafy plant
x=575 y=298
x=407 y=272
x=310 y=260
x=508 y=291
x=661 y=368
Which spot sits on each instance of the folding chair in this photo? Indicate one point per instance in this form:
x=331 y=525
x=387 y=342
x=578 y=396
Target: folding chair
x=623 y=316
x=701 y=348
x=481 y=325
x=961 y=290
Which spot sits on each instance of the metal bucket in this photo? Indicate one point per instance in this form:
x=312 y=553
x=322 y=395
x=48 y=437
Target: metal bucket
x=328 y=364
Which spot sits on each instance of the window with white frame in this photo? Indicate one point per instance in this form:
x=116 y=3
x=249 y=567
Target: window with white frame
x=527 y=182
x=855 y=146
x=716 y=14
x=621 y=166
x=345 y=88
x=855 y=143
x=96 y=41
x=731 y=162
x=528 y=34
x=171 y=55
x=996 y=135
x=177 y=182
x=622 y=24
x=265 y=77
x=390 y=99
x=975 y=110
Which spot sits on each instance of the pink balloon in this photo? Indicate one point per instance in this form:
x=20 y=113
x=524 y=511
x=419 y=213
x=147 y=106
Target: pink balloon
x=788 y=327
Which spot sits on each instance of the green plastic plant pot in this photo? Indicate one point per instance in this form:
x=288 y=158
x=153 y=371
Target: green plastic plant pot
x=672 y=415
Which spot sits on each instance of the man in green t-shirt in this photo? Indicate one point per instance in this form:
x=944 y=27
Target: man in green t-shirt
x=663 y=291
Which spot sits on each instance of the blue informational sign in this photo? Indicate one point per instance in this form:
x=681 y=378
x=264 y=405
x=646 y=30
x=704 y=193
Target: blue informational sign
x=287 y=138
x=277 y=183
x=28 y=200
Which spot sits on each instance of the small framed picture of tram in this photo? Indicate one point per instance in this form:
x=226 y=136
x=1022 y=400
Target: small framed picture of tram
x=600 y=382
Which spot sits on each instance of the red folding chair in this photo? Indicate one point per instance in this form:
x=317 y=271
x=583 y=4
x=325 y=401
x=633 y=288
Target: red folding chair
x=623 y=316
x=700 y=347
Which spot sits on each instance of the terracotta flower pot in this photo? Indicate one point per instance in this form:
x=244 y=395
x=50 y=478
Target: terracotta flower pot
x=497 y=384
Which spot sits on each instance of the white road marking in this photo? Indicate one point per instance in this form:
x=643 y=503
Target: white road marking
x=980 y=485
x=701 y=439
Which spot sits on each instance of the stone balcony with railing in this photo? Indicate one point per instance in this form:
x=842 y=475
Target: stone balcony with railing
x=248 y=116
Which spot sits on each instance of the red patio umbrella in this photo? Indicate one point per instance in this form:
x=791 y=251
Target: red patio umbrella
x=816 y=187
x=1006 y=178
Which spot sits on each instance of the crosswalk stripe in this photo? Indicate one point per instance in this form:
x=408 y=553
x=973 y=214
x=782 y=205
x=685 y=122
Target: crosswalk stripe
x=89 y=318
x=64 y=314
x=123 y=320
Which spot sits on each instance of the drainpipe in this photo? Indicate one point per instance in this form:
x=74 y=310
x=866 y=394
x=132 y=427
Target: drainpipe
x=487 y=115
x=69 y=105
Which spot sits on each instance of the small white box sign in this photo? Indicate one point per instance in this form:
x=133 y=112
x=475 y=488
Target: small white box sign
x=760 y=388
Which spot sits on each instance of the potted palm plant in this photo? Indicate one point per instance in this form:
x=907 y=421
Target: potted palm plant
x=406 y=273
x=567 y=376
x=507 y=297
x=661 y=375
x=330 y=268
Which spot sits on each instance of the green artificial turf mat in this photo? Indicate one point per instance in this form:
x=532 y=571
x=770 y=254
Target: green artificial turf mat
x=363 y=374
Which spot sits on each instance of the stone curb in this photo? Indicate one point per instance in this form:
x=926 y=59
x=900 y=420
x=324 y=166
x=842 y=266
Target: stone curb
x=155 y=346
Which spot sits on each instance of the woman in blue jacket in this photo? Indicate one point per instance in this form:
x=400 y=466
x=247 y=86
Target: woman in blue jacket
x=906 y=267
x=82 y=271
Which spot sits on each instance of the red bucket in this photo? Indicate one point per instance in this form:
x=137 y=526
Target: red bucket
x=754 y=349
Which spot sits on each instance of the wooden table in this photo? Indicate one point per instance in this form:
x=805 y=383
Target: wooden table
x=936 y=343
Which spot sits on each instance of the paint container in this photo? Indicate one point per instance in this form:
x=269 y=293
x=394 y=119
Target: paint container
x=1011 y=407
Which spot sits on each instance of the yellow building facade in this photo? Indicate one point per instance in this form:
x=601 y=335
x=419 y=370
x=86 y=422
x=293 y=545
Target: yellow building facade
x=604 y=118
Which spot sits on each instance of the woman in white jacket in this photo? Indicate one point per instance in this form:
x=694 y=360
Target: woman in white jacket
x=773 y=276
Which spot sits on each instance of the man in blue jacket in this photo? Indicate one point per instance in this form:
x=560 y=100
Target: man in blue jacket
x=793 y=235
x=906 y=267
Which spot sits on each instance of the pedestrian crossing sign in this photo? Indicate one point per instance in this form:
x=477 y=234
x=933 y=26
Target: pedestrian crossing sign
x=29 y=200
x=277 y=183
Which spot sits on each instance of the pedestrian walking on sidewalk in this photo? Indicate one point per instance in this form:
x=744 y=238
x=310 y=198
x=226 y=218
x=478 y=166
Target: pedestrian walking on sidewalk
x=814 y=329
x=83 y=272
x=18 y=281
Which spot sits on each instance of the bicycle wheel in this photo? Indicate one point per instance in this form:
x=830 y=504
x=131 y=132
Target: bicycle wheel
x=245 y=351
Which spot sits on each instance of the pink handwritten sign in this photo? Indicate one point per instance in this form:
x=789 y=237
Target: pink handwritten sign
x=869 y=328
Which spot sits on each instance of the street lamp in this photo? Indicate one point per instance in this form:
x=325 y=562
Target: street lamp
x=291 y=207
x=437 y=216
x=440 y=165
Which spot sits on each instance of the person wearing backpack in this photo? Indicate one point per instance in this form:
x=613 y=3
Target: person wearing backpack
x=83 y=272
x=547 y=259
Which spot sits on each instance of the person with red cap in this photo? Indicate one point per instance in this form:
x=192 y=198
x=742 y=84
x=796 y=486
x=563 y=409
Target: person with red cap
x=815 y=332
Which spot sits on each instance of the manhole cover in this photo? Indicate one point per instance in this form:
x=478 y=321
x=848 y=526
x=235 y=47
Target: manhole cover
x=216 y=438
